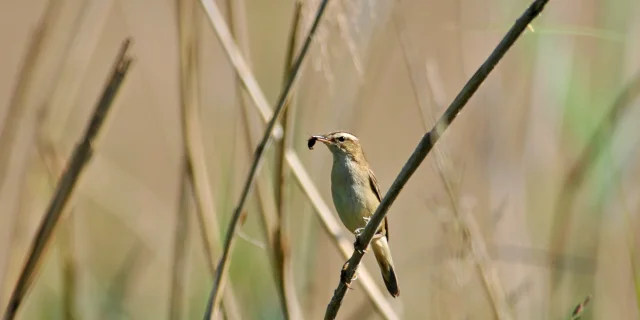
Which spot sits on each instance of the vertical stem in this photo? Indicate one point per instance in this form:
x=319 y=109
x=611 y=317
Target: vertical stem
x=282 y=248
x=196 y=166
x=17 y=104
x=178 y=273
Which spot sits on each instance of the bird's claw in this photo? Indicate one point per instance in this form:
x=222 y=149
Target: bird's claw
x=356 y=245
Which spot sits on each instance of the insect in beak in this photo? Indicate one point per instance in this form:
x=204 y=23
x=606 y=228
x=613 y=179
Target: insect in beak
x=312 y=141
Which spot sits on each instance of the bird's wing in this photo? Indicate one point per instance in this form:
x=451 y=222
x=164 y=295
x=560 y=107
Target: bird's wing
x=373 y=183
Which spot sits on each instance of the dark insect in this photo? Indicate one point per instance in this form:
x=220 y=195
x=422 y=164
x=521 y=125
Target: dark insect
x=311 y=142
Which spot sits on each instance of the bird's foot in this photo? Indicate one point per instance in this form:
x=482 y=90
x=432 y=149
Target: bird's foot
x=357 y=245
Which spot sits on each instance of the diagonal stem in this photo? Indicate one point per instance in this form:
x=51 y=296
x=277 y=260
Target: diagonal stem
x=223 y=265
x=425 y=146
x=268 y=208
x=66 y=185
x=196 y=166
x=466 y=221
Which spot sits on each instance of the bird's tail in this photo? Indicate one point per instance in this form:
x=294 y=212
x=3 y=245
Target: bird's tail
x=382 y=252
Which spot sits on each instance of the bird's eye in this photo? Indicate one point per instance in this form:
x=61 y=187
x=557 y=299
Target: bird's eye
x=341 y=139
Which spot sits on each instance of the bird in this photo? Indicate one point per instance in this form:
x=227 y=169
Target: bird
x=356 y=196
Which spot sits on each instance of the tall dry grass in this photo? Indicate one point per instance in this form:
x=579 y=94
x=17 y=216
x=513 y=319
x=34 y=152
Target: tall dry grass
x=543 y=160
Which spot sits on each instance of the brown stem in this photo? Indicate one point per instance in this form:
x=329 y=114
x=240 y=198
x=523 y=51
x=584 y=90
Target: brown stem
x=66 y=185
x=424 y=147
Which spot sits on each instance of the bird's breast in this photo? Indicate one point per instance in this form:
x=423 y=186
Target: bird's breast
x=351 y=194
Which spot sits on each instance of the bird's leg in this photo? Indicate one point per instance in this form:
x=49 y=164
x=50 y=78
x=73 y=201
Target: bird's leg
x=358 y=232
x=356 y=243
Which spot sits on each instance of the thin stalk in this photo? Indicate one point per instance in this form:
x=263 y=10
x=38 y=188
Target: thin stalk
x=178 y=272
x=54 y=164
x=78 y=50
x=14 y=117
x=223 y=265
x=121 y=284
x=238 y=61
x=631 y=247
x=196 y=165
x=281 y=173
x=423 y=148
x=263 y=192
x=66 y=185
x=282 y=248
x=267 y=206
x=18 y=100
x=580 y=169
x=579 y=309
x=424 y=94
x=268 y=218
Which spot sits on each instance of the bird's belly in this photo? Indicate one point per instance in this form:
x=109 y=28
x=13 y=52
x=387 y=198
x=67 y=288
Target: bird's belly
x=351 y=206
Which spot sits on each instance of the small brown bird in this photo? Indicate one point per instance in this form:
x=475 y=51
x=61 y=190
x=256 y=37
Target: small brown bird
x=356 y=196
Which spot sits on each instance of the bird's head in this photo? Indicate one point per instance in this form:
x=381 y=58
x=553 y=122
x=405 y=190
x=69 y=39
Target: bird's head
x=341 y=144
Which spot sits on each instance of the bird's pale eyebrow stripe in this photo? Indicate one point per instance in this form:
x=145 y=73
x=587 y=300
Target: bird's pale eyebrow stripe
x=349 y=136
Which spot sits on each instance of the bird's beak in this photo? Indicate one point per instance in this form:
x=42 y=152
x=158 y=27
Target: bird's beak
x=312 y=141
x=321 y=139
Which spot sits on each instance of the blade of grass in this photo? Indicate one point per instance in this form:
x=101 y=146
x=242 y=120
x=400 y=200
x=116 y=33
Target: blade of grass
x=630 y=235
x=196 y=165
x=15 y=113
x=223 y=265
x=18 y=100
x=423 y=148
x=77 y=58
x=424 y=95
x=268 y=218
x=282 y=246
x=122 y=283
x=579 y=309
x=66 y=185
x=238 y=61
x=77 y=55
x=54 y=163
x=581 y=168
x=180 y=246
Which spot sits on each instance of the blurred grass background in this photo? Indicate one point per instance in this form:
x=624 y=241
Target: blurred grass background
x=554 y=233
